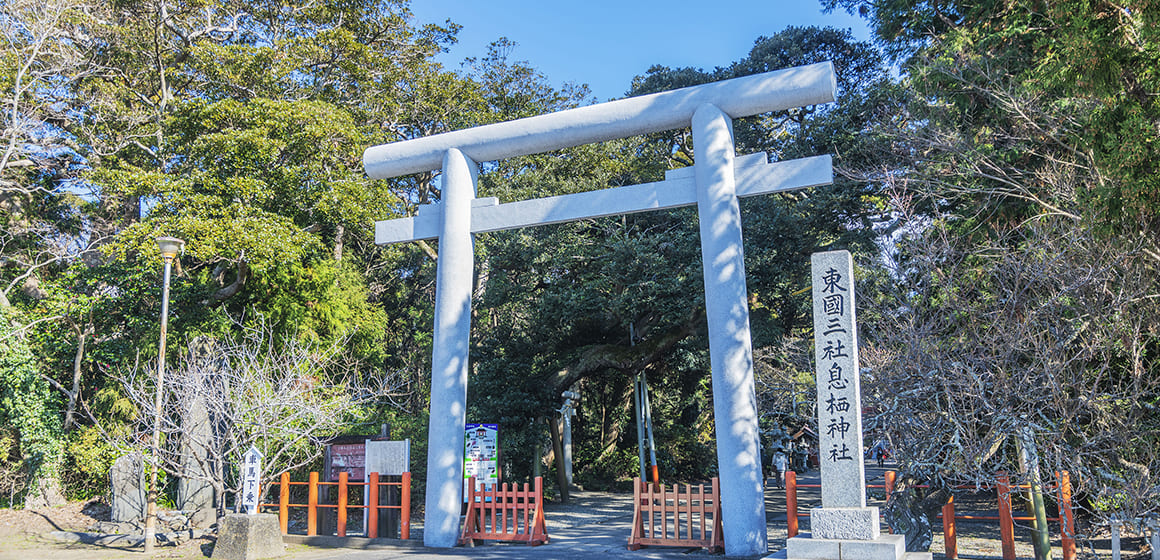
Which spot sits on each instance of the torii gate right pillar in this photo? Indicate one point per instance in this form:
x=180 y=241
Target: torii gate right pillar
x=730 y=348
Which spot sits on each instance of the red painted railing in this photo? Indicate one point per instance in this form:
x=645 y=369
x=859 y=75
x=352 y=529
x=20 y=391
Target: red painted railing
x=1006 y=519
x=371 y=490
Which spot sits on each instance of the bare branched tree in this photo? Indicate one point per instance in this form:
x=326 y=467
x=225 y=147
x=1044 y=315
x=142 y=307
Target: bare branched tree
x=228 y=395
x=784 y=374
x=47 y=44
x=1044 y=328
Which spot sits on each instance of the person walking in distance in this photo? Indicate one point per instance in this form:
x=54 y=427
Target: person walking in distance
x=780 y=465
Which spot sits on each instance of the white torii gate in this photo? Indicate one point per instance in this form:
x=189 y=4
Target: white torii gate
x=713 y=184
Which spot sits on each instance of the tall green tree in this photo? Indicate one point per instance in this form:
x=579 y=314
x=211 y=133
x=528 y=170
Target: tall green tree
x=233 y=125
x=1029 y=143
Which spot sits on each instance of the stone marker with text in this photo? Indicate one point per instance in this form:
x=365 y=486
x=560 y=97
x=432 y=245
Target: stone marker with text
x=844 y=528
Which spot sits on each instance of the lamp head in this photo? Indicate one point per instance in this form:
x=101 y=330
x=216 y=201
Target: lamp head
x=170 y=246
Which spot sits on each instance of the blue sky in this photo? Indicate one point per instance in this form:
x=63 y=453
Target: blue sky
x=604 y=43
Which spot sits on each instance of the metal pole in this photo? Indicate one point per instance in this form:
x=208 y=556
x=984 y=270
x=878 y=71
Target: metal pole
x=155 y=444
x=639 y=425
x=1114 y=525
x=648 y=429
x=639 y=409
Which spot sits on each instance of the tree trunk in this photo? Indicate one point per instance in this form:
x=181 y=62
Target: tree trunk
x=339 y=234
x=910 y=512
x=558 y=451
x=74 y=394
x=615 y=402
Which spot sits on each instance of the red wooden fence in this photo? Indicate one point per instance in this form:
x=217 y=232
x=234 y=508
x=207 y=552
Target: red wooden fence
x=1005 y=518
x=503 y=514
x=695 y=507
x=371 y=490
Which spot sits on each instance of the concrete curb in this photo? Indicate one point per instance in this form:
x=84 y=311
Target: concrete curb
x=363 y=543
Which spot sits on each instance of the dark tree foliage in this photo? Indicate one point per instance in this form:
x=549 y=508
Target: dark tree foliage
x=587 y=305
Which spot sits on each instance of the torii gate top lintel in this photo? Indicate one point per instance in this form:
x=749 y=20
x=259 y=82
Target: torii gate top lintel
x=738 y=97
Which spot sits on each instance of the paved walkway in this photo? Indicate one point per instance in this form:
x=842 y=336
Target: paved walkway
x=592 y=525
x=596 y=525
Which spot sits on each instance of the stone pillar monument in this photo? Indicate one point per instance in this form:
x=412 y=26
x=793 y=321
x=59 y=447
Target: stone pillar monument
x=843 y=528
x=194 y=492
x=128 y=493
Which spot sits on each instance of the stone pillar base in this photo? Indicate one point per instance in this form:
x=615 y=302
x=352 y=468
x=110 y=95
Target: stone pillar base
x=249 y=537
x=850 y=523
x=885 y=547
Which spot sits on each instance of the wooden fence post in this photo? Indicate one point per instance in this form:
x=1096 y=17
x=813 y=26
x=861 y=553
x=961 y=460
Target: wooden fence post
x=372 y=503
x=1006 y=523
x=343 y=479
x=791 y=514
x=312 y=505
x=284 y=503
x=950 y=540
x=405 y=515
x=888 y=482
x=1066 y=521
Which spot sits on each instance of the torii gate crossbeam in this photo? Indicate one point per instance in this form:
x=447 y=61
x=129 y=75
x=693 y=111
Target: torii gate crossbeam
x=717 y=180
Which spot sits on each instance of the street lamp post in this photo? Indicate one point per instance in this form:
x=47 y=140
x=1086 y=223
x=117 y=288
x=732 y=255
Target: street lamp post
x=170 y=247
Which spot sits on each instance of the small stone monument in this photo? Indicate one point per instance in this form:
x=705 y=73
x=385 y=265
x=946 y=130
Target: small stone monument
x=127 y=479
x=843 y=528
x=249 y=537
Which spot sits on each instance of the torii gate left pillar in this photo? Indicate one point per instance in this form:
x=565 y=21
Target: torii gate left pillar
x=715 y=190
x=453 y=277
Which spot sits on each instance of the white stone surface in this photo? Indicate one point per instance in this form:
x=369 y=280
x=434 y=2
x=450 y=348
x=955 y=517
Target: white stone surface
x=885 y=547
x=453 y=279
x=730 y=351
x=845 y=523
x=739 y=97
x=839 y=401
x=804 y=547
x=678 y=189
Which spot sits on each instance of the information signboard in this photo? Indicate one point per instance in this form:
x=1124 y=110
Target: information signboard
x=347 y=457
x=481 y=456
